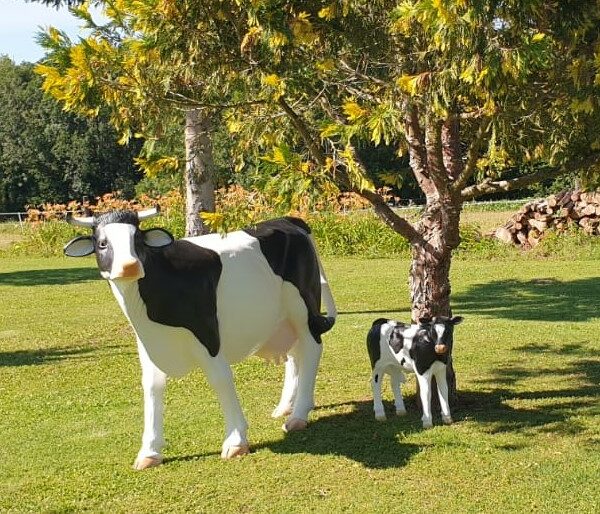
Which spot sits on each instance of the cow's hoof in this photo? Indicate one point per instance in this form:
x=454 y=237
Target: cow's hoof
x=279 y=412
x=142 y=463
x=427 y=424
x=447 y=420
x=294 y=425
x=235 y=451
x=380 y=417
x=400 y=412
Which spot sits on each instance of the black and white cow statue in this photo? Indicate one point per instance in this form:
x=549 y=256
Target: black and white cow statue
x=211 y=301
x=422 y=349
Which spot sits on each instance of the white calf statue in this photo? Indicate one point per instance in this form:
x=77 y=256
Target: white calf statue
x=422 y=349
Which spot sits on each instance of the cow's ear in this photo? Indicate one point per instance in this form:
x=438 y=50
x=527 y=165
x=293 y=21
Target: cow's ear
x=79 y=247
x=157 y=237
x=424 y=320
x=456 y=320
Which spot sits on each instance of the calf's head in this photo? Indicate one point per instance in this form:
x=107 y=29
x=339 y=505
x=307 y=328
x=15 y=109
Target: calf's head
x=118 y=242
x=439 y=330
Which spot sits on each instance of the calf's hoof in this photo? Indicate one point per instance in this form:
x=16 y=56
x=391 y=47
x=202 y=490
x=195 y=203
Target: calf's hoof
x=235 y=451
x=279 y=412
x=380 y=417
x=427 y=424
x=400 y=412
x=294 y=425
x=447 y=420
x=142 y=463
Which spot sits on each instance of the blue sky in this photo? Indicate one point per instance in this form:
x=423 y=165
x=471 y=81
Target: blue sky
x=19 y=23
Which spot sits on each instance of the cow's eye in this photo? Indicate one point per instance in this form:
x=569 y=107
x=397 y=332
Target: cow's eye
x=102 y=244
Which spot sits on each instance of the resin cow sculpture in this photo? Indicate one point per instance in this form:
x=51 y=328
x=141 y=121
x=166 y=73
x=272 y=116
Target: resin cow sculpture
x=211 y=301
x=422 y=349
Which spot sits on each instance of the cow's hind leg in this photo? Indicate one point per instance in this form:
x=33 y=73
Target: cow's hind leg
x=220 y=377
x=290 y=387
x=307 y=354
x=153 y=383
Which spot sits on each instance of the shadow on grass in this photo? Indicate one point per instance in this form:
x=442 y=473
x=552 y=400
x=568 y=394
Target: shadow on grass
x=377 y=311
x=37 y=357
x=506 y=408
x=48 y=277
x=509 y=408
x=545 y=299
x=355 y=435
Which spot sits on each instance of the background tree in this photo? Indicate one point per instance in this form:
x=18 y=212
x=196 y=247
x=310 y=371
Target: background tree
x=468 y=90
x=47 y=155
x=154 y=65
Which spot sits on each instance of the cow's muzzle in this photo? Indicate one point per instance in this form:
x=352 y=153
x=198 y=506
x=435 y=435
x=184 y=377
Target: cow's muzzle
x=130 y=270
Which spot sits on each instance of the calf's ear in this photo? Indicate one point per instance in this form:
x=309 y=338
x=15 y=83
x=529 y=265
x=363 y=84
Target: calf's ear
x=79 y=247
x=424 y=321
x=157 y=237
x=456 y=320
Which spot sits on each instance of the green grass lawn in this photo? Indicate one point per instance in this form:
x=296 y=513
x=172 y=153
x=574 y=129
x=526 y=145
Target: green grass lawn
x=526 y=437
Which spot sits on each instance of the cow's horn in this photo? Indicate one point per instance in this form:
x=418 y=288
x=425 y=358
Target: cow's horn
x=87 y=222
x=148 y=213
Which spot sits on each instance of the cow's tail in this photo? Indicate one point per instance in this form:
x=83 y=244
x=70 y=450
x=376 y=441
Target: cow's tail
x=325 y=322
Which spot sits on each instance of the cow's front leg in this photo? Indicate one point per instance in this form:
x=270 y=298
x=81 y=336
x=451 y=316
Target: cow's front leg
x=290 y=387
x=425 y=394
x=220 y=377
x=307 y=354
x=153 y=383
x=442 y=387
x=397 y=377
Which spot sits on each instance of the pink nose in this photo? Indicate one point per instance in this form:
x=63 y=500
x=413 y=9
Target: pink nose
x=129 y=269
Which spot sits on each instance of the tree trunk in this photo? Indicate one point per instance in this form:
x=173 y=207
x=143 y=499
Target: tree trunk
x=199 y=184
x=429 y=280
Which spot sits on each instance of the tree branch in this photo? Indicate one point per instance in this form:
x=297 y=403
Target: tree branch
x=489 y=186
x=472 y=155
x=382 y=209
x=416 y=149
x=299 y=124
x=451 y=147
x=435 y=156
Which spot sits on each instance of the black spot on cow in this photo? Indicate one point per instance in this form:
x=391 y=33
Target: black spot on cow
x=396 y=340
x=285 y=244
x=128 y=217
x=180 y=289
x=373 y=340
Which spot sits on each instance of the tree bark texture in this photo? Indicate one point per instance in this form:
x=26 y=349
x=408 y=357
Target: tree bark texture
x=199 y=183
x=429 y=280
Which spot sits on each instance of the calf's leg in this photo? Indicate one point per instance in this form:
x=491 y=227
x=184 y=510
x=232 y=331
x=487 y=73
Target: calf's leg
x=153 y=383
x=425 y=393
x=397 y=378
x=442 y=387
x=376 y=379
